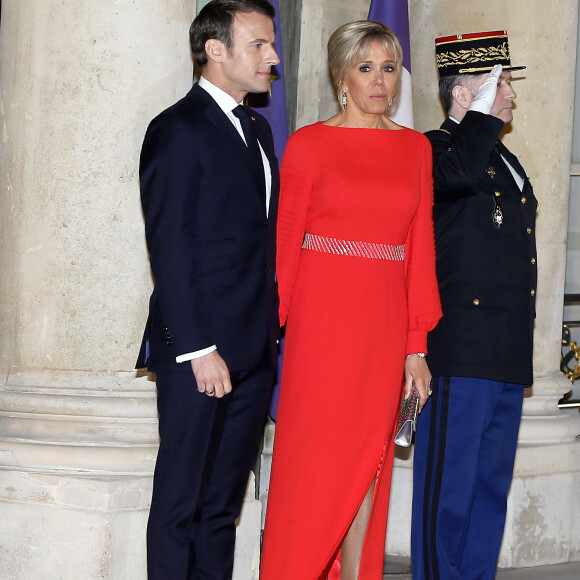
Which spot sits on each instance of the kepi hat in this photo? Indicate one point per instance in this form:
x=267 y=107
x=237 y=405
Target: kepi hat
x=473 y=53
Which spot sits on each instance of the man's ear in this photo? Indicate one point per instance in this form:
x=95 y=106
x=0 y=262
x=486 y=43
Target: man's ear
x=215 y=49
x=461 y=96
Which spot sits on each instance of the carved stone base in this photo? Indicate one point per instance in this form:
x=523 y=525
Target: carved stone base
x=72 y=526
x=77 y=452
x=543 y=518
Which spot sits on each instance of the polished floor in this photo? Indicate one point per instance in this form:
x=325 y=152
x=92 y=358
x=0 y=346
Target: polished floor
x=400 y=569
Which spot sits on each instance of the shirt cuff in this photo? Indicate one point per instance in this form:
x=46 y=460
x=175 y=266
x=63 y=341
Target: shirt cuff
x=196 y=354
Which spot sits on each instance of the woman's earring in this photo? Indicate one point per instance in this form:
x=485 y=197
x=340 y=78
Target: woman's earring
x=344 y=98
x=390 y=102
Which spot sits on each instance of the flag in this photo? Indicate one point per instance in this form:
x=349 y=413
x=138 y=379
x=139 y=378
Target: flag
x=395 y=15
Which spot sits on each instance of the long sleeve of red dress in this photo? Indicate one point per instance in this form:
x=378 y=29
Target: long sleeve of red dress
x=296 y=179
x=422 y=290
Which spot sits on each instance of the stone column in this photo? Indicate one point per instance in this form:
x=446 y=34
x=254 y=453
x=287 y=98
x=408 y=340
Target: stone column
x=79 y=81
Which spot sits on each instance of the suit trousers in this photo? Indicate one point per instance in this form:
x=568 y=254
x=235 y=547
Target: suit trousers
x=207 y=448
x=464 y=455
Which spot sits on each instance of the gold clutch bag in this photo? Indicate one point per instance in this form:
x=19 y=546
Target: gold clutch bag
x=407 y=419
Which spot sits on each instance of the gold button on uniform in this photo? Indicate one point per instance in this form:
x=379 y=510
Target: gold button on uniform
x=476 y=302
x=533 y=292
x=533 y=260
x=497 y=194
x=529 y=230
x=524 y=199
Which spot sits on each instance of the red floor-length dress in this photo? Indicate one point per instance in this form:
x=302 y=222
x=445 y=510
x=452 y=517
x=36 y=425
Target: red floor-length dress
x=350 y=322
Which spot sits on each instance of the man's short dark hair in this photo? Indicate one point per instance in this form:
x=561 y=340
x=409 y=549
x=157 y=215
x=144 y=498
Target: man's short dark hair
x=447 y=83
x=215 y=21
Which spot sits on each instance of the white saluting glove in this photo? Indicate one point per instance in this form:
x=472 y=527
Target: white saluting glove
x=485 y=96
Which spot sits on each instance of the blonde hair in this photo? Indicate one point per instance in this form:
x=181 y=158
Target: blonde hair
x=351 y=43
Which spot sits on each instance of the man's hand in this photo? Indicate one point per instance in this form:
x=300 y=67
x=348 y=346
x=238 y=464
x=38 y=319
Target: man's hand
x=485 y=96
x=417 y=373
x=212 y=375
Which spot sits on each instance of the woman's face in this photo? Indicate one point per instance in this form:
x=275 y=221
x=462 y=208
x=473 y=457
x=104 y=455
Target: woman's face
x=371 y=82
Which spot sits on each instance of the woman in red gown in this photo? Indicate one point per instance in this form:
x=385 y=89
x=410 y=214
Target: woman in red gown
x=358 y=293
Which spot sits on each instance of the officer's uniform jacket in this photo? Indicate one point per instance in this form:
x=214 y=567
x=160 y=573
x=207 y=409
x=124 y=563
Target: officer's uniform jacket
x=486 y=255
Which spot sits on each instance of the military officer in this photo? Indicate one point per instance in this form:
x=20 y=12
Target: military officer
x=480 y=354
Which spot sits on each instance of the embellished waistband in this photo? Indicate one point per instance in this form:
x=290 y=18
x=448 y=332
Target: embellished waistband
x=351 y=248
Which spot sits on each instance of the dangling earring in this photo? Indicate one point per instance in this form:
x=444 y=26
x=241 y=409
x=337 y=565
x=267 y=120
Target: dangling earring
x=344 y=99
x=390 y=102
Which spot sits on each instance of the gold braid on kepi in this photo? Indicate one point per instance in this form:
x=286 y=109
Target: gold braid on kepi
x=473 y=53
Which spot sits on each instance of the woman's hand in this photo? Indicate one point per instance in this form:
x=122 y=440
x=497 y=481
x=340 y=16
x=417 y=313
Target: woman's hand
x=417 y=373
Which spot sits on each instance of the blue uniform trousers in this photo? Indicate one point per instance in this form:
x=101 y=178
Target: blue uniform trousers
x=464 y=454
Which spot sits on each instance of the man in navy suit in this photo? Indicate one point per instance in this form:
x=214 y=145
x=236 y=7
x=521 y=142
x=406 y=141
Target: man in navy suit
x=480 y=353
x=209 y=189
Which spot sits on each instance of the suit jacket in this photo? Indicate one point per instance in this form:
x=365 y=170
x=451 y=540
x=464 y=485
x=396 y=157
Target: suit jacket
x=486 y=255
x=211 y=244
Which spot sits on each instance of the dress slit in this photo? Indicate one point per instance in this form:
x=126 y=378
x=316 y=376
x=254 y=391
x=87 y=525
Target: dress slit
x=332 y=569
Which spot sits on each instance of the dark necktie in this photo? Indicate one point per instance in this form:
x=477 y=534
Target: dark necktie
x=244 y=115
